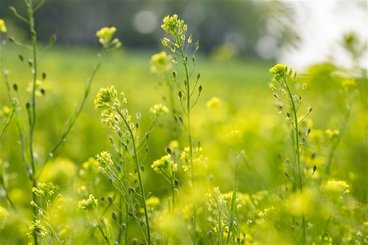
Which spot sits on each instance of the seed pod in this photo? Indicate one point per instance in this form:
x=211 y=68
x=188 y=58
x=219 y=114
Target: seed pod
x=200 y=88
x=11 y=39
x=314 y=168
x=52 y=39
x=114 y=215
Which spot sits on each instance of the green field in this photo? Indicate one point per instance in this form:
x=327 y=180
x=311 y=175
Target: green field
x=241 y=134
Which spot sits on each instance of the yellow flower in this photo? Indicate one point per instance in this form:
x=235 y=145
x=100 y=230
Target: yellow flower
x=88 y=203
x=158 y=110
x=3 y=26
x=164 y=163
x=348 y=83
x=174 y=145
x=39 y=89
x=3 y=216
x=153 y=201
x=300 y=203
x=338 y=187
x=105 y=35
x=279 y=69
x=173 y=25
x=332 y=133
x=160 y=62
x=106 y=97
x=214 y=103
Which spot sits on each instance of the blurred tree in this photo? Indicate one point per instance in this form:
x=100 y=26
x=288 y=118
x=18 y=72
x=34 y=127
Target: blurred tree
x=239 y=23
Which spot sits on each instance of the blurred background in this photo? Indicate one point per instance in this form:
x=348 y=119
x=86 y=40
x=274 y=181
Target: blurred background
x=326 y=41
x=295 y=32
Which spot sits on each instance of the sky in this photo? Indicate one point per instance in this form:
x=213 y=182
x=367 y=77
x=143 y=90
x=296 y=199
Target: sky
x=321 y=25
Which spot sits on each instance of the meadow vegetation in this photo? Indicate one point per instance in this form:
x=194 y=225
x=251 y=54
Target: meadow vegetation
x=176 y=148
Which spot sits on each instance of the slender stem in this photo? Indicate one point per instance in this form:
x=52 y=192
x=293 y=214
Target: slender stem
x=189 y=131
x=32 y=110
x=2 y=183
x=7 y=123
x=335 y=144
x=127 y=223
x=73 y=118
x=233 y=202
x=120 y=218
x=173 y=190
x=297 y=151
x=173 y=110
x=135 y=156
x=19 y=128
x=220 y=225
x=103 y=233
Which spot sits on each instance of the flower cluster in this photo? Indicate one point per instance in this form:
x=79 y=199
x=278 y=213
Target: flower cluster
x=214 y=103
x=45 y=190
x=104 y=159
x=153 y=201
x=105 y=37
x=37 y=228
x=279 y=70
x=177 y=31
x=3 y=26
x=106 y=98
x=164 y=164
x=3 y=216
x=173 y=25
x=161 y=62
x=338 y=187
x=158 y=110
x=283 y=78
x=88 y=204
x=198 y=158
x=332 y=133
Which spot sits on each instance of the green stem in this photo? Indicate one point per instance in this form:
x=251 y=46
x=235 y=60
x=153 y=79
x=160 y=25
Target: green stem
x=19 y=128
x=5 y=188
x=173 y=190
x=297 y=151
x=32 y=114
x=135 y=156
x=7 y=123
x=73 y=118
x=189 y=131
x=127 y=223
x=233 y=202
x=335 y=144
